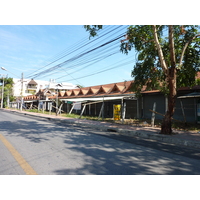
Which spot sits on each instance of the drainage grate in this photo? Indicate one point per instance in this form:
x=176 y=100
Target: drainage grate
x=111 y=130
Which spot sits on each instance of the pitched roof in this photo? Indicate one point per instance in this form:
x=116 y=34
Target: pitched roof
x=61 y=93
x=32 y=82
x=112 y=89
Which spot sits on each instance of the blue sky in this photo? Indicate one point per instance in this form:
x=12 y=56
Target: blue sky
x=30 y=38
x=27 y=48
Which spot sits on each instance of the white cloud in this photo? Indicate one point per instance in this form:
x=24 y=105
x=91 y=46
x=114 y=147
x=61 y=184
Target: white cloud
x=11 y=39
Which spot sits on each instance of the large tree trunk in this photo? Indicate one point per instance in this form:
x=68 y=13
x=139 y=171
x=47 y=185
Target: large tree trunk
x=167 y=121
x=166 y=127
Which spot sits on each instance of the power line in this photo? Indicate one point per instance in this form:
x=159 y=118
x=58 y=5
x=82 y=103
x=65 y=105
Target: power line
x=60 y=55
x=86 y=58
x=92 y=63
x=76 y=57
x=76 y=47
x=121 y=65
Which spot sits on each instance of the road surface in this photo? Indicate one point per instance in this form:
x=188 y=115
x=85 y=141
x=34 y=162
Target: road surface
x=31 y=145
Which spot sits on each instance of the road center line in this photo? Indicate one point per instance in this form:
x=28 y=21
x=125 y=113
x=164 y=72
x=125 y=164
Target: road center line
x=22 y=162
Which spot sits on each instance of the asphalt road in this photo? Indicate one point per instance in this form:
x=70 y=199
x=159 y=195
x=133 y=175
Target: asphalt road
x=33 y=146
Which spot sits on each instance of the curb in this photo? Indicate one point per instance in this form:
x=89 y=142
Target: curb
x=131 y=133
x=162 y=138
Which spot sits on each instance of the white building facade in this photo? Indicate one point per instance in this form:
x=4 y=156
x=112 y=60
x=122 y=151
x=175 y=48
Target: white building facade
x=30 y=86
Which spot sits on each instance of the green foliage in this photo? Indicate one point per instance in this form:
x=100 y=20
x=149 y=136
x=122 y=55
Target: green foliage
x=93 y=29
x=80 y=86
x=197 y=82
x=147 y=70
x=8 y=89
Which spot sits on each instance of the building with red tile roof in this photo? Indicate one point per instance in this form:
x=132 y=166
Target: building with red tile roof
x=91 y=99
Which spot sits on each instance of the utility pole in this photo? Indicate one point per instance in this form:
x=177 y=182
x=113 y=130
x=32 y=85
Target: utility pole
x=2 y=93
x=22 y=80
x=57 y=101
x=57 y=107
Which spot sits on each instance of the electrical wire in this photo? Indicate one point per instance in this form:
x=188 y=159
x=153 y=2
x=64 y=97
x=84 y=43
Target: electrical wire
x=76 y=57
x=85 y=58
x=63 y=53
x=78 y=47
x=111 y=68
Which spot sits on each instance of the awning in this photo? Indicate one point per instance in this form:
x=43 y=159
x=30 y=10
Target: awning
x=97 y=99
x=191 y=95
x=36 y=101
x=29 y=101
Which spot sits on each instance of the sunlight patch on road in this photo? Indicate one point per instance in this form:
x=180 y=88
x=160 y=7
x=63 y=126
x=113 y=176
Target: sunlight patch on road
x=22 y=162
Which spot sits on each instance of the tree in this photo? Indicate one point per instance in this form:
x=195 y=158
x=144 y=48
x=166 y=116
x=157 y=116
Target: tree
x=168 y=57
x=8 y=92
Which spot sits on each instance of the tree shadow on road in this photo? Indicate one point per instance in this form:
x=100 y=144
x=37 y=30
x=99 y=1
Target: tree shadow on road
x=35 y=131
x=96 y=152
x=114 y=157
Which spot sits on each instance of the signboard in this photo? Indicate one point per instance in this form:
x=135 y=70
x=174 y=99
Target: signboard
x=77 y=105
x=117 y=112
x=69 y=102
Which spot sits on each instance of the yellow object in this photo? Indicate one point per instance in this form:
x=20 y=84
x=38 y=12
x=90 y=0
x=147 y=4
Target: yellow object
x=117 y=112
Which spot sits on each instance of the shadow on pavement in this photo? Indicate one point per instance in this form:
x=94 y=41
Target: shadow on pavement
x=111 y=154
x=113 y=157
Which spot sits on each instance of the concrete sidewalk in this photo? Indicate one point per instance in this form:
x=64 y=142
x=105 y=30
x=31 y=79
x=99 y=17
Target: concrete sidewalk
x=184 y=138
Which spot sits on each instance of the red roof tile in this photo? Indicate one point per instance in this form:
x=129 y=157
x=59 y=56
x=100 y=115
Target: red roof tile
x=112 y=89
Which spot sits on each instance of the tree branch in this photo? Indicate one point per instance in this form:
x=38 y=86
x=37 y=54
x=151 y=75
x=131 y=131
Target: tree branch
x=160 y=53
x=185 y=47
x=171 y=45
